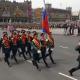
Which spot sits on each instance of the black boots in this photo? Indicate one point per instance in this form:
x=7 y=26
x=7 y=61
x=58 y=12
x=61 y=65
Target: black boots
x=70 y=72
x=36 y=65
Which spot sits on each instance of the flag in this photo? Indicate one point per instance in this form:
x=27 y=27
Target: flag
x=45 y=25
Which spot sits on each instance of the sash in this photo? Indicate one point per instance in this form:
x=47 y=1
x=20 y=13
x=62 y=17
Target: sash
x=24 y=38
x=6 y=42
x=37 y=43
x=30 y=38
x=15 y=40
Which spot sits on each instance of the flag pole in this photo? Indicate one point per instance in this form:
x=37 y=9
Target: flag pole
x=44 y=3
x=45 y=9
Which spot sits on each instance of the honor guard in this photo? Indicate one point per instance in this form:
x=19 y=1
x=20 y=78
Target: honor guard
x=18 y=36
x=6 y=48
x=29 y=43
x=43 y=48
x=22 y=43
x=36 y=50
x=14 y=47
x=50 y=44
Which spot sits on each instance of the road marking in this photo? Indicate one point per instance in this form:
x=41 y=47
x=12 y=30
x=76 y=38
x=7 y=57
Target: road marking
x=29 y=61
x=67 y=76
x=65 y=47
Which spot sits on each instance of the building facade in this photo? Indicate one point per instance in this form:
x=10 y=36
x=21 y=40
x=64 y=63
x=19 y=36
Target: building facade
x=21 y=14
x=76 y=15
x=15 y=12
x=54 y=14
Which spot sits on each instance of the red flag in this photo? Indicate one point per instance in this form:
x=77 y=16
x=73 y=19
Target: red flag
x=45 y=24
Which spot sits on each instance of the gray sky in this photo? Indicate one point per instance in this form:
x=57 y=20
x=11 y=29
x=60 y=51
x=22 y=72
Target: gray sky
x=75 y=4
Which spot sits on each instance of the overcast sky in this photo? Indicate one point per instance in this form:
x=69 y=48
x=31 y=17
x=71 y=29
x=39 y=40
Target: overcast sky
x=75 y=4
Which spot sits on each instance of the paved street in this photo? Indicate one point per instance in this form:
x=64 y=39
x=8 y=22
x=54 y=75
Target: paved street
x=64 y=56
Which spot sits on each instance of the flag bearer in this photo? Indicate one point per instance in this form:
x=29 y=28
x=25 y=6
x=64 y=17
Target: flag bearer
x=43 y=49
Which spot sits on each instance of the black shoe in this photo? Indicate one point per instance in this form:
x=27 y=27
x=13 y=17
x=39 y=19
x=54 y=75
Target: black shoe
x=38 y=61
x=48 y=66
x=10 y=65
x=25 y=59
x=11 y=56
x=53 y=62
x=39 y=69
x=33 y=62
x=17 y=62
x=70 y=73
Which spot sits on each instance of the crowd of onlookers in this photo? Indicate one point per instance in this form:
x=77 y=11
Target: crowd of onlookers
x=69 y=26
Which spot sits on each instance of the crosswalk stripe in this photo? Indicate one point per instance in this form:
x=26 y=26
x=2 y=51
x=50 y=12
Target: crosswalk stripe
x=67 y=76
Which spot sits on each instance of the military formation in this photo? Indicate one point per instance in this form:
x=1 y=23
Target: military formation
x=28 y=45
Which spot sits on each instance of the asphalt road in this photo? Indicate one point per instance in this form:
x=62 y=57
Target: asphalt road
x=64 y=56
